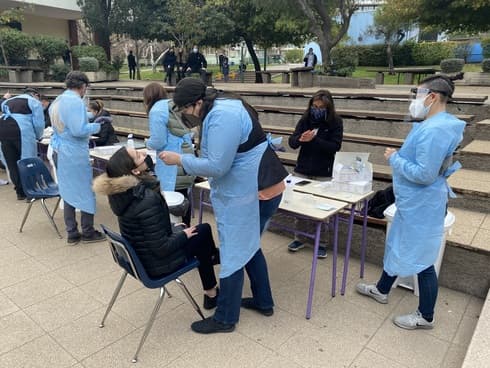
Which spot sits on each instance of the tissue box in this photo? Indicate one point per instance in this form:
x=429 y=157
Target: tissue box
x=358 y=187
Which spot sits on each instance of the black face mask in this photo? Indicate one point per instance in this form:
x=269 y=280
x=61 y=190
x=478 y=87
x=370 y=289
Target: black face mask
x=191 y=121
x=149 y=163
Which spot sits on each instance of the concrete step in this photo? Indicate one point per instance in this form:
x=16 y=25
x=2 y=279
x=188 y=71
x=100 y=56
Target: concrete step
x=482 y=129
x=476 y=155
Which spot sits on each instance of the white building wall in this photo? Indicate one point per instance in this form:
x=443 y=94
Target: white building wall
x=36 y=25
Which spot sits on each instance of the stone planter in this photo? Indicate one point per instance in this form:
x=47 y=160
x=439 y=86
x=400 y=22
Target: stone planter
x=102 y=76
x=476 y=79
x=342 y=82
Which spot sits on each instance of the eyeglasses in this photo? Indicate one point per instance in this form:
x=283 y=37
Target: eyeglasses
x=422 y=92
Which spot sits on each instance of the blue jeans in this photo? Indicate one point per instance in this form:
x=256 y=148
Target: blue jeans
x=230 y=293
x=267 y=209
x=427 y=289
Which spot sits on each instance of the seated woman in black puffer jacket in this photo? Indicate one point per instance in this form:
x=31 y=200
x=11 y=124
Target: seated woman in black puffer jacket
x=143 y=216
x=106 y=136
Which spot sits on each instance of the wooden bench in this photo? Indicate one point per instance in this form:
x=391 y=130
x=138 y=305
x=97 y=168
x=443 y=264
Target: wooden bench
x=24 y=74
x=408 y=74
x=302 y=77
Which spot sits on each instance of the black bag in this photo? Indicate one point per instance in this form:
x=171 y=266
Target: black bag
x=380 y=201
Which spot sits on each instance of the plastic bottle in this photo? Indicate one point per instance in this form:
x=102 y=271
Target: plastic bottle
x=288 y=192
x=130 y=142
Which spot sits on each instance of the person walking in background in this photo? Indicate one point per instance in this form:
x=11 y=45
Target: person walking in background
x=169 y=61
x=67 y=54
x=310 y=59
x=420 y=170
x=71 y=133
x=131 y=65
x=318 y=135
x=225 y=67
x=180 y=63
x=196 y=63
x=21 y=125
x=97 y=114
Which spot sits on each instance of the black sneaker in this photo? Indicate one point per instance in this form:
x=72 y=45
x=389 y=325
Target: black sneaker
x=74 y=239
x=21 y=197
x=95 y=237
x=210 y=303
x=209 y=326
x=249 y=303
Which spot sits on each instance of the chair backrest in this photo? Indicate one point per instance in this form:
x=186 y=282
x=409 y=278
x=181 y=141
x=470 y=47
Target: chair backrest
x=125 y=256
x=35 y=177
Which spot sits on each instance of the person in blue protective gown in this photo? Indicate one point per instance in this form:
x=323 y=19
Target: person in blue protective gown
x=21 y=125
x=167 y=132
x=223 y=159
x=71 y=134
x=420 y=170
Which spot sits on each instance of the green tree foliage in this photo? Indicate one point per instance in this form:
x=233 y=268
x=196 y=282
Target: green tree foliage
x=96 y=52
x=96 y=15
x=327 y=20
x=48 y=48
x=16 y=46
x=443 y=15
x=7 y=16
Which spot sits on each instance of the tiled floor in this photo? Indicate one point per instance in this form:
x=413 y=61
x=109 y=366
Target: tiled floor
x=52 y=297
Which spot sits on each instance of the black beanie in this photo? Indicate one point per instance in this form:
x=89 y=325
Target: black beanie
x=188 y=91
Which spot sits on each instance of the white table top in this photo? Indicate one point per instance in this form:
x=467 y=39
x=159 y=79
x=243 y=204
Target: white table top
x=318 y=188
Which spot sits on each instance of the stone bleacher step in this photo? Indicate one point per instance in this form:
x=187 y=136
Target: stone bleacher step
x=483 y=129
x=476 y=155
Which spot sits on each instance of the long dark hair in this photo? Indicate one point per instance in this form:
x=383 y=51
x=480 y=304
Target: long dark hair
x=214 y=94
x=152 y=93
x=97 y=106
x=120 y=164
x=326 y=97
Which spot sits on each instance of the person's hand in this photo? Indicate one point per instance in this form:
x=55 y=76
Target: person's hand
x=388 y=152
x=170 y=158
x=307 y=136
x=7 y=95
x=190 y=232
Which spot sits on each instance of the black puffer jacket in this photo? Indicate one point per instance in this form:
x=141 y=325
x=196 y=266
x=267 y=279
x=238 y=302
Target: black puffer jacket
x=144 y=221
x=317 y=156
x=106 y=136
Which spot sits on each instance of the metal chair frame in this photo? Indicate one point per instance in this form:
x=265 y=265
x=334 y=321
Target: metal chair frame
x=122 y=251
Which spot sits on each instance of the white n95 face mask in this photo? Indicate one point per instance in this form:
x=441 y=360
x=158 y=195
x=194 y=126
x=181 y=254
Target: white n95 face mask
x=417 y=108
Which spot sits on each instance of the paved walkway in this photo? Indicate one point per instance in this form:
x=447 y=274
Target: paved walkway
x=52 y=297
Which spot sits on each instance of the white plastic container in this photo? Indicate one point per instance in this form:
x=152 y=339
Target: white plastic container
x=130 y=142
x=173 y=199
x=288 y=192
x=411 y=282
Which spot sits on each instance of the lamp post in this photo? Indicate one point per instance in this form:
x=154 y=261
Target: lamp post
x=242 y=64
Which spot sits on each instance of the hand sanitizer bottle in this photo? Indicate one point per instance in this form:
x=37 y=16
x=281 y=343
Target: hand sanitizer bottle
x=130 y=142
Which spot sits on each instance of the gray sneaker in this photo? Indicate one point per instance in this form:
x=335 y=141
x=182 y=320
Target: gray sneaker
x=372 y=291
x=413 y=321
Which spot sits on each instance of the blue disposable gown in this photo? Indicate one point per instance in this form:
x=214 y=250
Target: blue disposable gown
x=71 y=144
x=161 y=139
x=31 y=125
x=233 y=181
x=421 y=193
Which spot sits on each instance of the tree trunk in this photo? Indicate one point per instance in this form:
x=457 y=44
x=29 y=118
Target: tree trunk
x=4 y=54
x=326 y=58
x=102 y=39
x=255 y=59
x=138 y=71
x=389 y=55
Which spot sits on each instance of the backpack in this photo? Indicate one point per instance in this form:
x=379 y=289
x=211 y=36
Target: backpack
x=380 y=201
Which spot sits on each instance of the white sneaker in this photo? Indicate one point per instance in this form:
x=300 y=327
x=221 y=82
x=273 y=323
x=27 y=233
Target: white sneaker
x=413 y=321
x=372 y=291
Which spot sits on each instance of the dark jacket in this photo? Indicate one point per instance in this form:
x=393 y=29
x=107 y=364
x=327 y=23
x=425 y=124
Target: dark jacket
x=315 y=60
x=144 y=221
x=196 y=61
x=106 y=135
x=169 y=60
x=317 y=156
x=131 y=61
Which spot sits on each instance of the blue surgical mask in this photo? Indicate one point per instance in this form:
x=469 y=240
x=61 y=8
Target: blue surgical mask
x=318 y=114
x=90 y=115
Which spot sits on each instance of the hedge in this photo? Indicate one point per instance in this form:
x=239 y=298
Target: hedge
x=88 y=64
x=345 y=61
x=17 y=45
x=485 y=44
x=59 y=72
x=485 y=65
x=452 y=65
x=48 y=48
x=96 y=52
x=431 y=53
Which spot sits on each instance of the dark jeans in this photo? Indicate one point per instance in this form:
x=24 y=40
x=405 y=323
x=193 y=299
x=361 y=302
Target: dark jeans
x=267 y=210
x=186 y=219
x=168 y=75
x=427 y=288
x=203 y=248
x=132 y=72
x=87 y=221
x=230 y=295
x=12 y=150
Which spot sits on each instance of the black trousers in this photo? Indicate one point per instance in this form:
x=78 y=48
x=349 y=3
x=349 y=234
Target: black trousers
x=203 y=248
x=12 y=150
x=132 y=72
x=186 y=219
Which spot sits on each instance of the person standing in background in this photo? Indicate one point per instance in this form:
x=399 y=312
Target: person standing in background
x=169 y=61
x=131 y=65
x=310 y=59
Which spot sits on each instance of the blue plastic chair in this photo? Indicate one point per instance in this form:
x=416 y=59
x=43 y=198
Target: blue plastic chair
x=38 y=184
x=125 y=256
